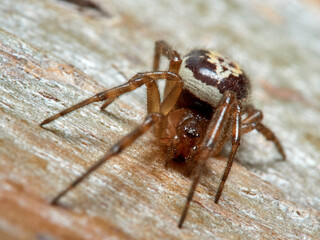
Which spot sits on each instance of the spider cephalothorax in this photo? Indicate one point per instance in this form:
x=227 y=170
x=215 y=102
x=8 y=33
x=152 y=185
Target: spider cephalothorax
x=205 y=105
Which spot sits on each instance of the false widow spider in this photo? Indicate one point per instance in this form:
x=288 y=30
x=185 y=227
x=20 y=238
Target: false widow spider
x=205 y=105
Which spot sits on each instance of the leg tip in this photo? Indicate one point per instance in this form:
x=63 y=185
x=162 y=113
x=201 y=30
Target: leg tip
x=46 y=121
x=55 y=201
x=180 y=223
x=217 y=198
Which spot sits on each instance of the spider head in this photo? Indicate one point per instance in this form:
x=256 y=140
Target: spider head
x=184 y=132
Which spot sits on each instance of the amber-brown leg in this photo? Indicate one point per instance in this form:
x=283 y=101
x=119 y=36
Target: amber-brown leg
x=249 y=123
x=253 y=121
x=164 y=49
x=235 y=141
x=153 y=97
x=269 y=135
x=211 y=143
x=136 y=81
x=126 y=141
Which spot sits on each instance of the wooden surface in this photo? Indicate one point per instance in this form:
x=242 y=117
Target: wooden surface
x=54 y=54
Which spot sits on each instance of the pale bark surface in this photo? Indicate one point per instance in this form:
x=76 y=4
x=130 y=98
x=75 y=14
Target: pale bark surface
x=54 y=54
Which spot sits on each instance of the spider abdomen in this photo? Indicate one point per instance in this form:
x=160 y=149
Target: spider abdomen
x=207 y=75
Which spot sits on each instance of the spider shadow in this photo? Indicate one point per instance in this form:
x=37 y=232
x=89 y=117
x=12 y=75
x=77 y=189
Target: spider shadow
x=259 y=165
x=185 y=168
x=54 y=131
x=62 y=204
x=118 y=118
x=262 y=166
x=64 y=135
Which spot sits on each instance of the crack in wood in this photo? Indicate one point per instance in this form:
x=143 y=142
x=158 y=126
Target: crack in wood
x=88 y=4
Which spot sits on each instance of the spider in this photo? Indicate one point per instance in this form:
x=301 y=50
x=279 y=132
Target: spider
x=205 y=105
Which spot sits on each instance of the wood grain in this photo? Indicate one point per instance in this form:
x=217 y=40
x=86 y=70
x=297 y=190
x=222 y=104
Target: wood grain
x=53 y=55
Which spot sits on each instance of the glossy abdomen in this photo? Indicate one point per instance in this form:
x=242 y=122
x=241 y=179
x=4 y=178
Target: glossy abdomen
x=207 y=75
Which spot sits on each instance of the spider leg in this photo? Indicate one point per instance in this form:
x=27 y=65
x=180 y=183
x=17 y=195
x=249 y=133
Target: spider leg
x=109 y=101
x=135 y=82
x=249 y=123
x=150 y=120
x=162 y=48
x=235 y=141
x=253 y=121
x=211 y=144
x=269 y=135
x=153 y=98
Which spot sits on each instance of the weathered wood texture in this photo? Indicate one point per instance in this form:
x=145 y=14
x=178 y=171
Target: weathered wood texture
x=54 y=54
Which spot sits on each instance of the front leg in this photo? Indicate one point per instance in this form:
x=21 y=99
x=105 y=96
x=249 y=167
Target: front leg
x=135 y=82
x=212 y=143
x=162 y=48
x=235 y=141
